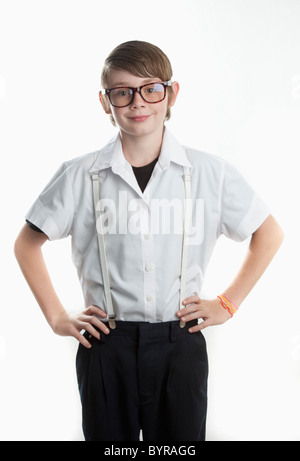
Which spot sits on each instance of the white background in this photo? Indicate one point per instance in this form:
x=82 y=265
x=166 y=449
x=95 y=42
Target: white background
x=238 y=63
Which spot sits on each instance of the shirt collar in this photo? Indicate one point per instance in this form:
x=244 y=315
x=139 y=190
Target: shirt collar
x=112 y=154
x=172 y=151
x=109 y=156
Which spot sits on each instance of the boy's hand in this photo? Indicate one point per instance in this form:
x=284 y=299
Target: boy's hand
x=211 y=311
x=71 y=325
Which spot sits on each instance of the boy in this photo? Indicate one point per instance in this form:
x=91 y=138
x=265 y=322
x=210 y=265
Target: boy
x=142 y=361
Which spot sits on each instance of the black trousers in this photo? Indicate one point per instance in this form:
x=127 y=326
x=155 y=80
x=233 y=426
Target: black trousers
x=149 y=376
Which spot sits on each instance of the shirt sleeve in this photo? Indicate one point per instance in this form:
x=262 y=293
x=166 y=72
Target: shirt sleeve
x=242 y=211
x=33 y=227
x=53 y=210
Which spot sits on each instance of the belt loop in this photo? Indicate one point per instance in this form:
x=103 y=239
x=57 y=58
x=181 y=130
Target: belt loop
x=173 y=333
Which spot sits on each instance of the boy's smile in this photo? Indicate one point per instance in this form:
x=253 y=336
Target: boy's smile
x=139 y=118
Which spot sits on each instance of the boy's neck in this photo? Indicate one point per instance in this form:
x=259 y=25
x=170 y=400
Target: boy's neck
x=142 y=150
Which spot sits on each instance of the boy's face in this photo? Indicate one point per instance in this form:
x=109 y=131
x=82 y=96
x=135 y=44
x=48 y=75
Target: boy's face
x=139 y=118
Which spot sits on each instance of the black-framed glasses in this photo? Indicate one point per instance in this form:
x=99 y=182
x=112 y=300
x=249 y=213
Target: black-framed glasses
x=152 y=93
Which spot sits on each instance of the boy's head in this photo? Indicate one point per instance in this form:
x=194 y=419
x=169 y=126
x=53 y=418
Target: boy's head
x=141 y=59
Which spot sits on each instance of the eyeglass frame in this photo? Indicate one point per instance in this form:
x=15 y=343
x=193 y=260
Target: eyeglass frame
x=138 y=90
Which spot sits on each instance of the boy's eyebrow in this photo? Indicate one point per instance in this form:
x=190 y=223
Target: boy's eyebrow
x=147 y=80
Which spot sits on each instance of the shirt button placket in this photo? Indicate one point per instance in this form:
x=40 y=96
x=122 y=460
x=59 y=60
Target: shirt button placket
x=148 y=264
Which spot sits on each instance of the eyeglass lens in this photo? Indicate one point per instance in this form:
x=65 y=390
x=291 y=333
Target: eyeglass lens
x=152 y=93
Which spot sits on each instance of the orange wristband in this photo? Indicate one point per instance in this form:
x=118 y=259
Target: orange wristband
x=228 y=305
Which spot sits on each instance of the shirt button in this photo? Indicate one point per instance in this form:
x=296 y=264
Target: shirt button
x=148 y=268
x=149 y=298
x=146 y=236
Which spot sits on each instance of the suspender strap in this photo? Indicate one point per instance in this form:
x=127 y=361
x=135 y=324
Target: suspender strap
x=186 y=226
x=102 y=253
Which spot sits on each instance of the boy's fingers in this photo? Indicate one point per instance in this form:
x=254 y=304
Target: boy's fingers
x=90 y=321
x=190 y=308
x=186 y=310
x=77 y=335
x=90 y=329
x=191 y=316
x=191 y=299
x=95 y=310
x=199 y=327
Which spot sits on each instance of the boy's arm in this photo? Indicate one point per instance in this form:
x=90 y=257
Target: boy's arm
x=28 y=251
x=264 y=244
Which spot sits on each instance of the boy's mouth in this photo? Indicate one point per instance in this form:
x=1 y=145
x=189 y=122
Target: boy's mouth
x=139 y=118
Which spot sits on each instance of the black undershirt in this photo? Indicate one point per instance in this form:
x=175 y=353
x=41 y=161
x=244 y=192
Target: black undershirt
x=142 y=174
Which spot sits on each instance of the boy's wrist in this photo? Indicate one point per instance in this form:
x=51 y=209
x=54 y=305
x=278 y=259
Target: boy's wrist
x=228 y=304
x=54 y=318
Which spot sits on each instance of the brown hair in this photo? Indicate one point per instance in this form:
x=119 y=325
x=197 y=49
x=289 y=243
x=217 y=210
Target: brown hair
x=141 y=59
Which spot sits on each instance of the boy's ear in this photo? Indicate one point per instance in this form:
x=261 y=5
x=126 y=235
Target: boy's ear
x=104 y=103
x=175 y=90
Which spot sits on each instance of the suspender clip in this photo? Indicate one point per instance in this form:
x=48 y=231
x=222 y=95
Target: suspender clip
x=187 y=177
x=95 y=176
x=112 y=321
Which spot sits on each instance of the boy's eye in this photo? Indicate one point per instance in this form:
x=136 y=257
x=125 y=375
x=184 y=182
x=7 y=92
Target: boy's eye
x=123 y=92
x=154 y=88
x=151 y=88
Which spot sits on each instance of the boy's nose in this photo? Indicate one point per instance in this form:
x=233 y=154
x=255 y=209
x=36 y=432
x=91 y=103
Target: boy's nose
x=137 y=100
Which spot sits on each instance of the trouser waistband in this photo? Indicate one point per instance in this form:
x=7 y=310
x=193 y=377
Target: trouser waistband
x=151 y=330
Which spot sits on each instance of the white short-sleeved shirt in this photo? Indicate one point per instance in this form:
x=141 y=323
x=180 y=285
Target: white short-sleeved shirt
x=143 y=231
